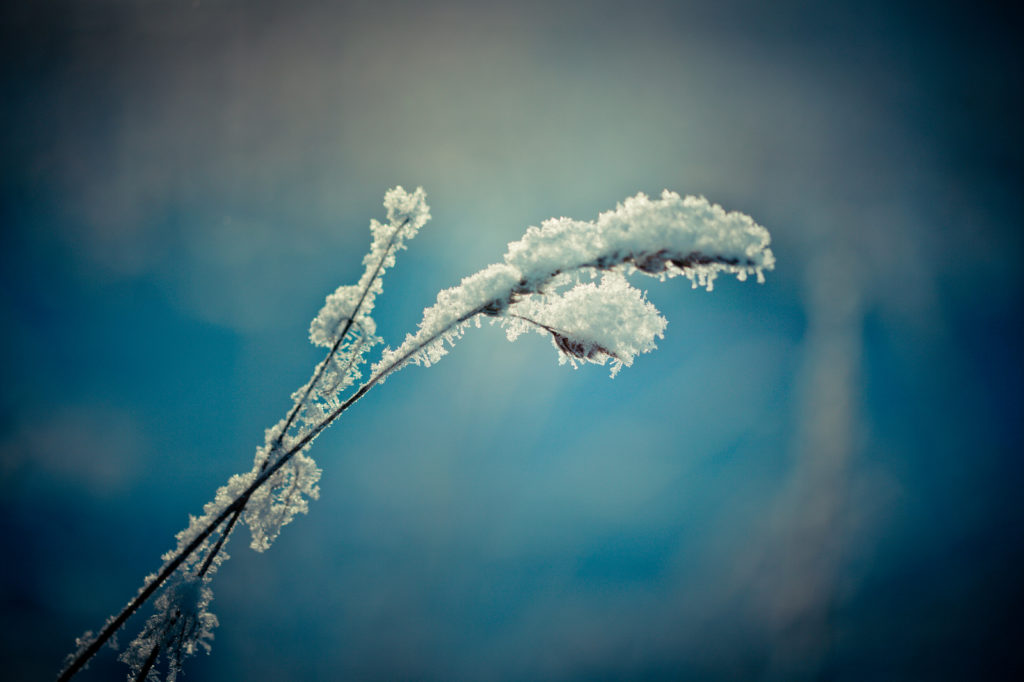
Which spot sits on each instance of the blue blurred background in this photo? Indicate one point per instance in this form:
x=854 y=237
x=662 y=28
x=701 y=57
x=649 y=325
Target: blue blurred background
x=817 y=478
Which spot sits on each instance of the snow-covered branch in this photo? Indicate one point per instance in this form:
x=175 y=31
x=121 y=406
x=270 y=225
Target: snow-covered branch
x=565 y=279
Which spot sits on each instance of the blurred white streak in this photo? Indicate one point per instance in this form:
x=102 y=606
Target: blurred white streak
x=95 y=449
x=794 y=574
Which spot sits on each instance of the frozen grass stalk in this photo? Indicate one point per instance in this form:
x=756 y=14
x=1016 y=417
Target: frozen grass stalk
x=565 y=279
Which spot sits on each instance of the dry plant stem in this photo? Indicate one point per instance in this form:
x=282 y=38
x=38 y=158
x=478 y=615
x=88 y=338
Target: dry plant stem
x=535 y=323
x=654 y=238
x=562 y=339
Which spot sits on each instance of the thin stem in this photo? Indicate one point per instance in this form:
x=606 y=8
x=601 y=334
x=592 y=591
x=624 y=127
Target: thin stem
x=155 y=651
x=148 y=665
x=565 y=343
x=176 y=658
x=535 y=322
x=208 y=561
x=288 y=497
x=353 y=356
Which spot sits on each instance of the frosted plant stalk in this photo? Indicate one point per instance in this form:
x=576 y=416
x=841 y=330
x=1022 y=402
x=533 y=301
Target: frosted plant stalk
x=565 y=279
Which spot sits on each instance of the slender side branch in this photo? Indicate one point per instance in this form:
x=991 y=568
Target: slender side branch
x=349 y=320
x=220 y=543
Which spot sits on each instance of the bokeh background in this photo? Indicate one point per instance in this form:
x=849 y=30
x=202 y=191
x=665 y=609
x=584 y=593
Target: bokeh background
x=817 y=478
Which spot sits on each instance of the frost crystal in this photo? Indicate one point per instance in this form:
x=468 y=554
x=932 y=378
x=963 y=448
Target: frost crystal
x=337 y=310
x=276 y=502
x=224 y=497
x=180 y=627
x=445 y=320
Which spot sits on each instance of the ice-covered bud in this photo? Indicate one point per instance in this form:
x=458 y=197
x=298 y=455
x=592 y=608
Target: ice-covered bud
x=408 y=208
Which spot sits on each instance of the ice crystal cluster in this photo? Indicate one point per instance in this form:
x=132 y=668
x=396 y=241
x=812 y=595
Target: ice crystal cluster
x=566 y=279
x=181 y=626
